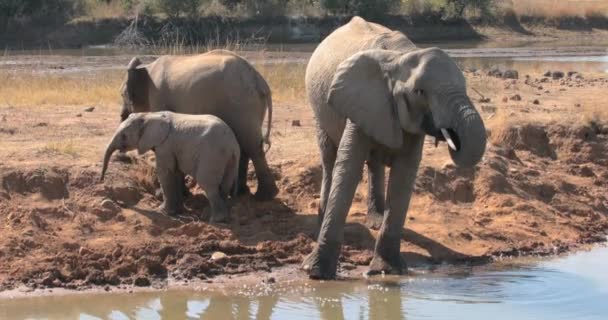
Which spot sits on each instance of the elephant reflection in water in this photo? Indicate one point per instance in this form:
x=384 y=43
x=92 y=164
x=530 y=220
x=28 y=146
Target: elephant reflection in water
x=381 y=304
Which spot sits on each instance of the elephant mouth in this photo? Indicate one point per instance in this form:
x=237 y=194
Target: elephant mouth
x=447 y=135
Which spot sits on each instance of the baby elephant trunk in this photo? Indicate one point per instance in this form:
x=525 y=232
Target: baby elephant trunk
x=106 y=159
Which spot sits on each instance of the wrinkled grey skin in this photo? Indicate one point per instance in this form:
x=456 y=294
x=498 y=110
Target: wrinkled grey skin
x=218 y=82
x=375 y=96
x=202 y=146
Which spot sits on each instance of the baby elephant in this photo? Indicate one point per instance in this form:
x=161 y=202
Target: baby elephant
x=202 y=146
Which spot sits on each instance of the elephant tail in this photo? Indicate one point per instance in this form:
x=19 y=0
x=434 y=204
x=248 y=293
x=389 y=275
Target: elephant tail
x=231 y=175
x=266 y=95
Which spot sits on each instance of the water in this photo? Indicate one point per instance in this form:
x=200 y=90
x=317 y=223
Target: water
x=573 y=287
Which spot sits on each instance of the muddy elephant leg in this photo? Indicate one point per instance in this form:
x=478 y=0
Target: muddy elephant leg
x=328 y=158
x=376 y=191
x=242 y=178
x=387 y=254
x=219 y=209
x=172 y=191
x=267 y=188
x=322 y=263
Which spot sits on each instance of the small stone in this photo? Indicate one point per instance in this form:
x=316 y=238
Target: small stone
x=557 y=75
x=84 y=251
x=536 y=101
x=547 y=74
x=89 y=109
x=516 y=97
x=218 y=255
x=270 y=280
x=78 y=115
x=296 y=123
x=142 y=282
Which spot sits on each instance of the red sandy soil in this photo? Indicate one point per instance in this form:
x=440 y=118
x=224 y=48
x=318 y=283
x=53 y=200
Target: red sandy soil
x=540 y=189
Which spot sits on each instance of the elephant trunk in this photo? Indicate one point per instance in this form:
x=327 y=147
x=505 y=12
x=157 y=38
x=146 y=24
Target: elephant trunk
x=106 y=159
x=467 y=133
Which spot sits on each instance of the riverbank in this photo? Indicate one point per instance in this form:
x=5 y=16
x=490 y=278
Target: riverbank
x=207 y=31
x=540 y=189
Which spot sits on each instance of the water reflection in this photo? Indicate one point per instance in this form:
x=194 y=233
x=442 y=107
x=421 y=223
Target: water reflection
x=575 y=287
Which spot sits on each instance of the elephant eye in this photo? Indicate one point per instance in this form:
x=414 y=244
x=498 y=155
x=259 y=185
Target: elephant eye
x=419 y=92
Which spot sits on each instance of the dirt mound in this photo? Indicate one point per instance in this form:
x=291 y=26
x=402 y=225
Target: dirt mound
x=541 y=190
x=51 y=183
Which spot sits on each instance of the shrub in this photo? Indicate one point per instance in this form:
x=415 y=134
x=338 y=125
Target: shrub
x=175 y=8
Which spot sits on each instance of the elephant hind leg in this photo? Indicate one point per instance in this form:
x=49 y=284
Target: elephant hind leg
x=220 y=212
x=376 y=191
x=242 y=177
x=328 y=158
x=267 y=188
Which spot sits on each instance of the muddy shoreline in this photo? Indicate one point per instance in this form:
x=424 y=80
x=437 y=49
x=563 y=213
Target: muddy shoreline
x=206 y=30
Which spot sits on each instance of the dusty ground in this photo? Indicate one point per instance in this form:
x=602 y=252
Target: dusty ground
x=541 y=189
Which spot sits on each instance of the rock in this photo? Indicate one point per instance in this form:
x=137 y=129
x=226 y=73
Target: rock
x=41 y=124
x=78 y=115
x=536 y=101
x=296 y=123
x=218 y=255
x=495 y=72
x=516 y=97
x=84 y=251
x=270 y=280
x=89 y=109
x=142 y=282
x=557 y=75
x=510 y=74
x=571 y=73
x=547 y=74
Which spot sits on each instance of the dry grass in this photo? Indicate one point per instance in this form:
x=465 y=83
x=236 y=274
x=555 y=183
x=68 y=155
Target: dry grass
x=26 y=88
x=65 y=147
x=560 y=8
x=286 y=81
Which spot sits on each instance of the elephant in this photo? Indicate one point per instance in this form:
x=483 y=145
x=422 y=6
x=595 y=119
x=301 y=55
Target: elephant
x=202 y=146
x=375 y=96
x=219 y=83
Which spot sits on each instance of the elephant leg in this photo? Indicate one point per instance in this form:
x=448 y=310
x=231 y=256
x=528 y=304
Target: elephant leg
x=267 y=188
x=172 y=191
x=219 y=209
x=242 y=178
x=328 y=158
x=387 y=254
x=354 y=147
x=181 y=181
x=376 y=191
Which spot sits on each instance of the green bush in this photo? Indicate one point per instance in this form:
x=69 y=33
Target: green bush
x=176 y=8
x=365 y=8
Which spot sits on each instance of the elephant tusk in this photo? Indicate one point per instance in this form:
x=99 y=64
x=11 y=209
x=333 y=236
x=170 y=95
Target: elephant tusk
x=448 y=139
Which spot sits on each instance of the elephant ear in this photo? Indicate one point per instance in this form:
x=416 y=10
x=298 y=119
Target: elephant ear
x=154 y=132
x=361 y=91
x=137 y=83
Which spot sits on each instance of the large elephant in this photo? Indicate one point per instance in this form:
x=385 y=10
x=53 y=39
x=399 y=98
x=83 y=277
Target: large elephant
x=375 y=96
x=219 y=83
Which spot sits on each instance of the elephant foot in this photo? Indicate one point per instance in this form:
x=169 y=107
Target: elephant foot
x=387 y=255
x=322 y=264
x=374 y=220
x=164 y=208
x=380 y=265
x=266 y=193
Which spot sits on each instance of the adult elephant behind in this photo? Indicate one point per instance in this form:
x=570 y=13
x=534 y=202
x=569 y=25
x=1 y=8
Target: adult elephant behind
x=218 y=82
x=375 y=96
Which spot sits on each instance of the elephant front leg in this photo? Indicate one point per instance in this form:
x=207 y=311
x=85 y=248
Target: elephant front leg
x=322 y=263
x=328 y=158
x=387 y=253
x=171 y=185
x=376 y=191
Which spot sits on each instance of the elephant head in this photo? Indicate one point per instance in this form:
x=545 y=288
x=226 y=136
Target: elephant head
x=134 y=90
x=386 y=93
x=141 y=131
